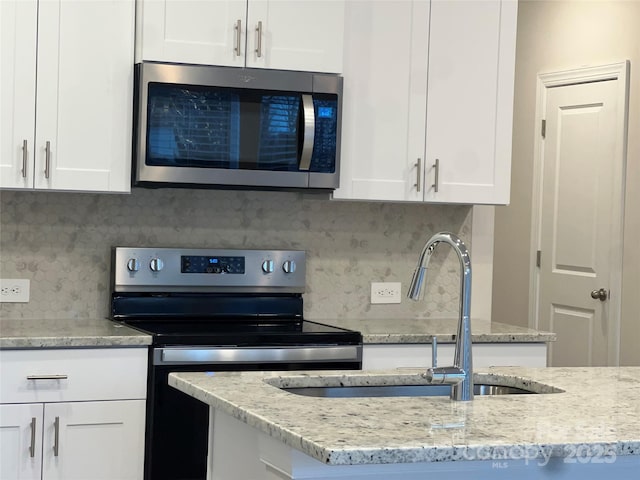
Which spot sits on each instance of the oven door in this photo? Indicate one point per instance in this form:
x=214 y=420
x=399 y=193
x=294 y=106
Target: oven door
x=178 y=425
x=208 y=126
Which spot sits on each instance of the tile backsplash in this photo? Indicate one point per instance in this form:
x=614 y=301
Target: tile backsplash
x=62 y=243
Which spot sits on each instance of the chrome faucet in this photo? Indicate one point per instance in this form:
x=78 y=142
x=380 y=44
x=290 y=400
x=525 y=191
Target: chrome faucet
x=460 y=375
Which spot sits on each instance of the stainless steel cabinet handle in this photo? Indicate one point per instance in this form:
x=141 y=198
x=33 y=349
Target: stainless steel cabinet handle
x=25 y=158
x=309 y=132
x=601 y=294
x=238 y=29
x=47 y=377
x=32 y=447
x=418 y=166
x=259 y=39
x=436 y=167
x=56 y=437
x=47 y=163
x=434 y=352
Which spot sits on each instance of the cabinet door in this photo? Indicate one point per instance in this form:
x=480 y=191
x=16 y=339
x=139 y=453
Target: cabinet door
x=470 y=100
x=18 y=23
x=97 y=440
x=85 y=95
x=21 y=441
x=295 y=35
x=383 y=115
x=193 y=31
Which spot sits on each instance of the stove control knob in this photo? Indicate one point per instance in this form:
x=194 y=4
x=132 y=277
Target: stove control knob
x=289 y=266
x=133 y=265
x=156 y=264
x=267 y=266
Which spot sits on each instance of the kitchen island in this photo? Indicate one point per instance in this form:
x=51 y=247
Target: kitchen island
x=582 y=422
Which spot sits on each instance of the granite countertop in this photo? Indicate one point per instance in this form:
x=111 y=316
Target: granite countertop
x=599 y=409
x=422 y=330
x=38 y=333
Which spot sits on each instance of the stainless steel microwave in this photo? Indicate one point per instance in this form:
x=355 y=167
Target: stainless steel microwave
x=204 y=126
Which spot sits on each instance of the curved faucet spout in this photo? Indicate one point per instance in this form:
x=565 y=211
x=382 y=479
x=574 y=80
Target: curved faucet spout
x=462 y=382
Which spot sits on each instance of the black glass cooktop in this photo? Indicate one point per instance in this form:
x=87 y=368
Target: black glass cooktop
x=225 y=320
x=244 y=333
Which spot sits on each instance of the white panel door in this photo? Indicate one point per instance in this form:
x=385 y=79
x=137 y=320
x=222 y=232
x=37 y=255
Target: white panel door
x=470 y=100
x=21 y=441
x=383 y=111
x=193 y=31
x=94 y=440
x=302 y=35
x=18 y=24
x=577 y=206
x=85 y=95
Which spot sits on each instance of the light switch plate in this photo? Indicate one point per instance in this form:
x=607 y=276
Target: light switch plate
x=14 y=290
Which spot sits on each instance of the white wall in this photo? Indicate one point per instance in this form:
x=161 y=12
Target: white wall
x=559 y=35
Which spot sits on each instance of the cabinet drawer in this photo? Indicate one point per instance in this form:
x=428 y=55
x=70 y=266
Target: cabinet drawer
x=51 y=375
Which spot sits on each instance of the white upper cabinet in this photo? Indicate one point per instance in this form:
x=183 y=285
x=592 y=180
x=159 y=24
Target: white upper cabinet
x=18 y=21
x=427 y=81
x=470 y=101
x=81 y=105
x=384 y=101
x=207 y=32
x=302 y=35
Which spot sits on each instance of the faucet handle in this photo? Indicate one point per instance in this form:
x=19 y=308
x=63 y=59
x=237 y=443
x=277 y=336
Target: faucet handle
x=434 y=352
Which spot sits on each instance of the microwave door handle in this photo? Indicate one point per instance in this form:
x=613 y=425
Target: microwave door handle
x=309 y=121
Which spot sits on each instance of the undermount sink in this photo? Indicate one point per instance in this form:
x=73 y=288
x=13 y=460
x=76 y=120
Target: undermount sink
x=358 y=385
x=430 y=390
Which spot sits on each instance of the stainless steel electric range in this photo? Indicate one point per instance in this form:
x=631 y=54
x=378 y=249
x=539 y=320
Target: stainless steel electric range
x=215 y=310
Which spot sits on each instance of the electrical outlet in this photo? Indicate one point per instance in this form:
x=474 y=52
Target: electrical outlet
x=385 y=292
x=14 y=290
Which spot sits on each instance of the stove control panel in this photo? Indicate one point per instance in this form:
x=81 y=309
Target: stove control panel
x=184 y=270
x=209 y=264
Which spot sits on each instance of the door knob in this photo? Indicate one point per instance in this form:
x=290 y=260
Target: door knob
x=601 y=294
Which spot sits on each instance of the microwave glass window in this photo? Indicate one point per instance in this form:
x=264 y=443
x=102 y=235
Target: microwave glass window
x=216 y=127
x=192 y=128
x=279 y=126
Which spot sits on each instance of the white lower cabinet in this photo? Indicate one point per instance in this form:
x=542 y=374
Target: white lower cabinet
x=20 y=436
x=97 y=440
x=72 y=440
x=387 y=356
x=72 y=414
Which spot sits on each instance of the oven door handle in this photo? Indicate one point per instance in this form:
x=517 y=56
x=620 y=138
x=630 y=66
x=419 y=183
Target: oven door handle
x=222 y=355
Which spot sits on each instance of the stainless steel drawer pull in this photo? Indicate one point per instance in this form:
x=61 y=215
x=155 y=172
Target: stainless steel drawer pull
x=259 y=39
x=418 y=166
x=47 y=377
x=25 y=158
x=436 y=167
x=47 y=163
x=56 y=437
x=238 y=29
x=32 y=447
